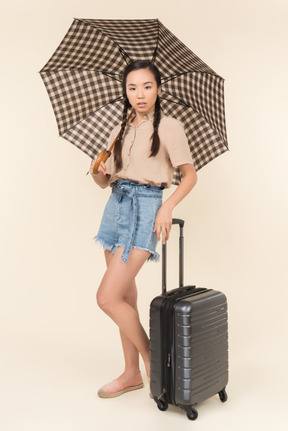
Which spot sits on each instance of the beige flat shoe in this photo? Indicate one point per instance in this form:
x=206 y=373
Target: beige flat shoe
x=115 y=388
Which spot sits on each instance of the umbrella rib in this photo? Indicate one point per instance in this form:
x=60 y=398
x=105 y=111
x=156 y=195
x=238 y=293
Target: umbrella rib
x=178 y=102
x=112 y=75
x=181 y=102
x=189 y=71
x=123 y=53
x=92 y=112
x=157 y=43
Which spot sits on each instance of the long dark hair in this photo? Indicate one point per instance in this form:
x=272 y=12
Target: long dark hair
x=136 y=65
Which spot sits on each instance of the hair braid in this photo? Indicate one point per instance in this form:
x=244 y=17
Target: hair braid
x=118 y=143
x=155 y=137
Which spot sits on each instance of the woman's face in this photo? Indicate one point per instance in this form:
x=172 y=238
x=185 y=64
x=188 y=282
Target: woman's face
x=142 y=91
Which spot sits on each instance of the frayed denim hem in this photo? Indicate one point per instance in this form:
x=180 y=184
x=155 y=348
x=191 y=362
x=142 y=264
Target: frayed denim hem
x=104 y=244
x=154 y=256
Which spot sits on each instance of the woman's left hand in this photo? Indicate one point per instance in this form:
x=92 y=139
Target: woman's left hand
x=163 y=222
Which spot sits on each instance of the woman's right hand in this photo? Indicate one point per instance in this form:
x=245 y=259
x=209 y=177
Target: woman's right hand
x=101 y=168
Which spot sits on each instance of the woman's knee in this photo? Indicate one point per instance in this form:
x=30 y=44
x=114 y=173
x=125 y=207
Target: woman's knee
x=107 y=301
x=102 y=300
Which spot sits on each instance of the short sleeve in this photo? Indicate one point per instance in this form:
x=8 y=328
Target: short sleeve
x=176 y=143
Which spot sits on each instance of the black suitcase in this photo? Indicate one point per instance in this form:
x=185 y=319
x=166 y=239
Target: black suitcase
x=188 y=343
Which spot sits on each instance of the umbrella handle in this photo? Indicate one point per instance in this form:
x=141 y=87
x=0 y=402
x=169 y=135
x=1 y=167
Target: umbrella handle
x=103 y=156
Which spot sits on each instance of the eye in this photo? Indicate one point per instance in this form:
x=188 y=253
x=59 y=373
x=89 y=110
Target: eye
x=148 y=87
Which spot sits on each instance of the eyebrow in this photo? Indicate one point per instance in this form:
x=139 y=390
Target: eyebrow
x=148 y=82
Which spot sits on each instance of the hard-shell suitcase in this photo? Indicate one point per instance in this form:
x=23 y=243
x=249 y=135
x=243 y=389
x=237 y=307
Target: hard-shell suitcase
x=188 y=343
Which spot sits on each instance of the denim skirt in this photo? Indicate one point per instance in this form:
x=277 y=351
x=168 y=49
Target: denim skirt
x=129 y=218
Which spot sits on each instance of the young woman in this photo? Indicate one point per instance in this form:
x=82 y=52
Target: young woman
x=134 y=219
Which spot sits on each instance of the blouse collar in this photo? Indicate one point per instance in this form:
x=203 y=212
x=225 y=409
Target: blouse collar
x=146 y=117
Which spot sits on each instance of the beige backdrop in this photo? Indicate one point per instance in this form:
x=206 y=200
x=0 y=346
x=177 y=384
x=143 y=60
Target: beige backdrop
x=57 y=348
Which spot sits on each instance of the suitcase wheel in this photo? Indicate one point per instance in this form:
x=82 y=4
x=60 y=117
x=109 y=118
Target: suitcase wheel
x=162 y=405
x=192 y=414
x=223 y=395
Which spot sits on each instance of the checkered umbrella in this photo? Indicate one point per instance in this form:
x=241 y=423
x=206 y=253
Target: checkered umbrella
x=84 y=76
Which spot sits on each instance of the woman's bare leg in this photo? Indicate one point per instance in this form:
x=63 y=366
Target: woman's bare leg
x=131 y=354
x=114 y=288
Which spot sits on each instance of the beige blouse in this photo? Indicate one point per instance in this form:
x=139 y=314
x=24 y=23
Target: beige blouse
x=137 y=165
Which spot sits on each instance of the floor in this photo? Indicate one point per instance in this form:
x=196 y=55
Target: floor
x=50 y=384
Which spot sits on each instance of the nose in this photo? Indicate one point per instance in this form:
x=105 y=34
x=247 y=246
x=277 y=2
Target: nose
x=140 y=93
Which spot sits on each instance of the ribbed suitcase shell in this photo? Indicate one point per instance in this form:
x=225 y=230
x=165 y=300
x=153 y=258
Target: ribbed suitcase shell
x=199 y=346
x=188 y=346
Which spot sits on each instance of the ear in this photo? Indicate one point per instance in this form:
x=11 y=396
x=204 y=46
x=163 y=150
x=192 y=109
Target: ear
x=159 y=91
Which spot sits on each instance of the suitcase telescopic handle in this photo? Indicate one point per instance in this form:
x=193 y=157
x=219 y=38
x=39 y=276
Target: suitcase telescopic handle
x=181 y=260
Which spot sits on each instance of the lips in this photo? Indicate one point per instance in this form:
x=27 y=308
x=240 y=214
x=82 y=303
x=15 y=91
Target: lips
x=141 y=104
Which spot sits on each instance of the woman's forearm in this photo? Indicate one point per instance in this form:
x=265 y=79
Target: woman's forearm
x=101 y=180
x=163 y=219
x=188 y=182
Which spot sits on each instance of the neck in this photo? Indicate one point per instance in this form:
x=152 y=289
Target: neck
x=140 y=116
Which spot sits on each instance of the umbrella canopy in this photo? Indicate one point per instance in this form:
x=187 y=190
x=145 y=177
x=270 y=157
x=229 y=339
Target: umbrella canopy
x=84 y=82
